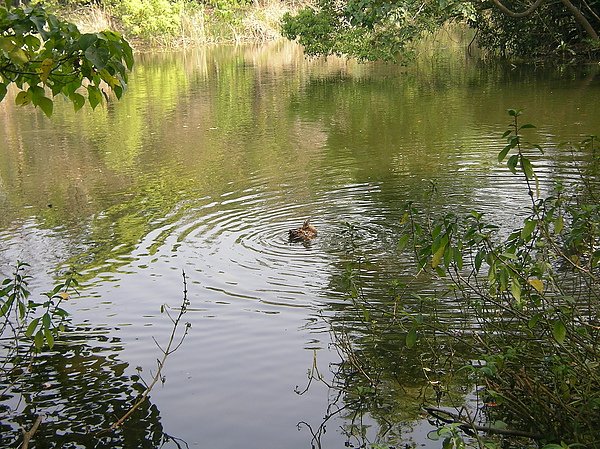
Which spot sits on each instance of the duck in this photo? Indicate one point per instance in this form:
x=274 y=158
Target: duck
x=303 y=234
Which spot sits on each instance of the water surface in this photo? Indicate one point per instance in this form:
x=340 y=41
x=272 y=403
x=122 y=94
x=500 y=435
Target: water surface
x=209 y=159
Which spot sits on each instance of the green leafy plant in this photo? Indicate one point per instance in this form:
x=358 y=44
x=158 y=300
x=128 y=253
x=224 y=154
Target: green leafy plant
x=43 y=56
x=25 y=319
x=525 y=310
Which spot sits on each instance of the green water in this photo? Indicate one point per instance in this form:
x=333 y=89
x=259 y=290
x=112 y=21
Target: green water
x=209 y=159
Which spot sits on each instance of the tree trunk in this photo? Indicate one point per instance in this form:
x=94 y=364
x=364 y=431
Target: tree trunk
x=579 y=17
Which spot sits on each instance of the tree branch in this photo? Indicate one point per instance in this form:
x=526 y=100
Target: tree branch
x=581 y=20
x=28 y=435
x=455 y=418
x=518 y=15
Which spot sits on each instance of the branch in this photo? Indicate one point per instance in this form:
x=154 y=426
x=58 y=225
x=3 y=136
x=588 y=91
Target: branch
x=28 y=435
x=457 y=419
x=518 y=15
x=581 y=20
x=160 y=363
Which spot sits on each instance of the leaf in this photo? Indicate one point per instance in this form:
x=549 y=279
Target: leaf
x=18 y=56
x=49 y=337
x=46 y=105
x=558 y=224
x=98 y=56
x=515 y=289
x=403 y=241
x=527 y=126
x=45 y=68
x=46 y=320
x=437 y=257
x=559 y=331
x=528 y=229
x=527 y=167
x=537 y=284
x=504 y=152
x=78 y=100
x=512 y=163
x=38 y=340
x=31 y=328
x=86 y=40
x=534 y=320
x=411 y=338
x=2 y=91
x=23 y=98
x=94 y=96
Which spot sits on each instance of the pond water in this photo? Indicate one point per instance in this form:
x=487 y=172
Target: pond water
x=208 y=160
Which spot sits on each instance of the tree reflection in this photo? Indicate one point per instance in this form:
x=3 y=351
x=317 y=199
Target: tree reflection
x=79 y=388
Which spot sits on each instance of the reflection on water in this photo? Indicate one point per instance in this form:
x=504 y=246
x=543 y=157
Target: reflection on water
x=79 y=388
x=207 y=162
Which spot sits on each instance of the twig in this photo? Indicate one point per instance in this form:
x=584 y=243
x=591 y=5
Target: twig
x=28 y=435
x=161 y=362
x=457 y=419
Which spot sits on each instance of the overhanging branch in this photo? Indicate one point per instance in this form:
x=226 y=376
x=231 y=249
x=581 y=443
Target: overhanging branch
x=518 y=15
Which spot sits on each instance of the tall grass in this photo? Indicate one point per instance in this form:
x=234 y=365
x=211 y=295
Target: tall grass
x=194 y=23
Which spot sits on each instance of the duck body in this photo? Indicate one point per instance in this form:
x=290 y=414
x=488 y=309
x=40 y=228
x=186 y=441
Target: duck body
x=303 y=234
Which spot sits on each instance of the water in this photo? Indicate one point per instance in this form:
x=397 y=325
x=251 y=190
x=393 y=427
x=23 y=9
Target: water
x=203 y=167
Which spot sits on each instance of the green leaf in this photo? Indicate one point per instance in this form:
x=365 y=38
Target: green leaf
x=6 y=306
x=86 y=40
x=559 y=331
x=528 y=229
x=78 y=100
x=512 y=163
x=527 y=167
x=23 y=98
x=49 y=337
x=403 y=241
x=94 y=96
x=98 y=56
x=437 y=257
x=527 y=126
x=504 y=152
x=46 y=105
x=38 y=340
x=558 y=224
x=411 y=338
x=2 y=91
x=18 y=56
x=515 y=289
x=534 y=320
x=31 y=328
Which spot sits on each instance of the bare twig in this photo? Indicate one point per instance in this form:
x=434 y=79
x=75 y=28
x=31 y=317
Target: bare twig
x=171 y=347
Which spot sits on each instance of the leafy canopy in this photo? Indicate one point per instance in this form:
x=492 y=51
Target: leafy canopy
x=385 y=29
x=44 y=56
x=370 y=29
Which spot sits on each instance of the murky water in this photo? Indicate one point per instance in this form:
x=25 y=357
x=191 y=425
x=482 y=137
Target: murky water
x=205 y=164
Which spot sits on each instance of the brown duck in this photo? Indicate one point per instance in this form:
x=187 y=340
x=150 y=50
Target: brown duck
x=303 y=234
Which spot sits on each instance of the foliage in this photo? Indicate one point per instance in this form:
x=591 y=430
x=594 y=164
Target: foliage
x=149 y=19
x=25 y=319
x=550 y=31
x=525 y=307
x=41 y=55
x=369 y=30
x=374 y=29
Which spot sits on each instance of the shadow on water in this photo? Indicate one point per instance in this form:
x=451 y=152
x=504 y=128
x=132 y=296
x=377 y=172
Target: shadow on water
x=79 y=388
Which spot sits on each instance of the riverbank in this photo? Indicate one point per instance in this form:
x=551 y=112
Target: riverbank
x=180 y=24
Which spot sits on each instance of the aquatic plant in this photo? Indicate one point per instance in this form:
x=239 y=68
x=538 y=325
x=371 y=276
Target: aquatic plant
x=511 y=317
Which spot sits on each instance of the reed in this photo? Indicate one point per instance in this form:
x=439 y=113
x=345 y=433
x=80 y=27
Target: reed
x=196 y=24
